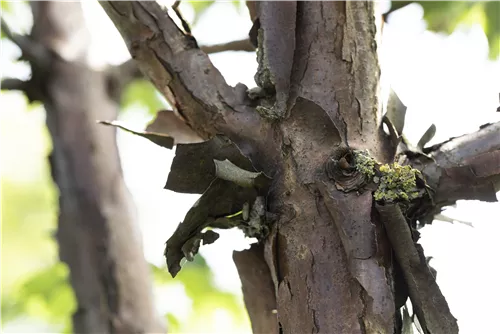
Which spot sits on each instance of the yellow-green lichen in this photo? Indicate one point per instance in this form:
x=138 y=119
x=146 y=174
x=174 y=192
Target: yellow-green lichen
x=364 y=163
x=396 y=183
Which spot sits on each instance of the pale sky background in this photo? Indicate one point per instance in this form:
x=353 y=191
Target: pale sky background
x=445 y=80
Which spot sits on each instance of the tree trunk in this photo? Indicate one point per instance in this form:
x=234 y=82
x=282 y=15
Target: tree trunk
x=98 y=235
x=340 y=259
x=332 y=263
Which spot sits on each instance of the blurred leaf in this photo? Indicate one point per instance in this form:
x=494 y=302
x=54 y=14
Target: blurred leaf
x=11 y=7
x=199 y=8
x=6 y=6
x=46 y=295
x=143 y=93
x=492 y=27
x=445 y=16
x=200 y=287
x=198 y=281
x=173 y=324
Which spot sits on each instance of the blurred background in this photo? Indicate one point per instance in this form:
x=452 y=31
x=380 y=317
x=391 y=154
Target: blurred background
x=450 y=78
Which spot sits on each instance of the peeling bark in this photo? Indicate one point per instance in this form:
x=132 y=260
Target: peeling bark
x=331 y=261
x=258 y=289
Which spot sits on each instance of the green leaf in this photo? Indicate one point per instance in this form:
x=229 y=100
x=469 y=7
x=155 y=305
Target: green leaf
x=199 y=8
x=199 y=285
x=143 y=93
x=173 y=324
x=445 y=16
x=6 y=6
x=492 y=27
x=46 y=295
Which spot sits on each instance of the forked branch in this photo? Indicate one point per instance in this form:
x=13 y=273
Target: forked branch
x=182 y=72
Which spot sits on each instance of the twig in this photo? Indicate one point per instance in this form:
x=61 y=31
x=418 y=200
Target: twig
x=33 y=52
x=240 y=45
x=184 y=23
x=120 y=76
x=447 y=219
x=14 y=84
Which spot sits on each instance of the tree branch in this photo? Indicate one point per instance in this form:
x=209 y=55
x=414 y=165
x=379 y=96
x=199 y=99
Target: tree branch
x=466 y=167
x=31 y=89
x=182 y=72
x=120 y=76
x=14 y=84
x=32 y=51
x=240 y=45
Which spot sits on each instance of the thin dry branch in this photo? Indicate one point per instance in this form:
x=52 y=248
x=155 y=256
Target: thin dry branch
x=127 y=71
x=239 y=45
x=183 y=73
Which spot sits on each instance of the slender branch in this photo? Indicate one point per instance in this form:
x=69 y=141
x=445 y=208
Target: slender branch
x=32 y=51
x=14 y=84
x=239 y=45
x=32 y=91
x=182 y=72
x=184 y=23
x=120 y=76
x=128 y=71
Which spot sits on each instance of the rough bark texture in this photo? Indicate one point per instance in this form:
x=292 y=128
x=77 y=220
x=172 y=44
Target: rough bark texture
x=330 y=260
x=97 y=233
x=258 y=289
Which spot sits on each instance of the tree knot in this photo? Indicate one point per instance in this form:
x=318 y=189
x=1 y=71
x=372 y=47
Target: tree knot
x=350 y=169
